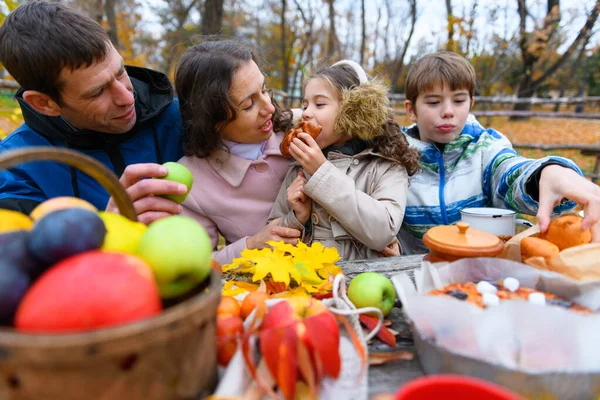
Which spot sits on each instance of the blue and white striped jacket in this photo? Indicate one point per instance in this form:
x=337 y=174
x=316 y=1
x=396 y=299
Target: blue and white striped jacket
x=479 y=168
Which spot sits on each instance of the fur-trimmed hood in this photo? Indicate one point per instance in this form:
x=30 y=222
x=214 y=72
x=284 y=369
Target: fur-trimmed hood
x=364 y=110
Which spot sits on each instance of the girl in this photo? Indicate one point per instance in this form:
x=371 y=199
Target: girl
x=348 y=187
x=230 y=147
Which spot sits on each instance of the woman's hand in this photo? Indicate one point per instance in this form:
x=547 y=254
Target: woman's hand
x=143 y=192
x=556 y=183
x=273 y=232
x=307 y=152
x=299 y=202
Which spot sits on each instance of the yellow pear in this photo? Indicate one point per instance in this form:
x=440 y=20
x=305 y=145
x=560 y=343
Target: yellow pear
x=59 y=203
x=13 y=221
x=122 y=234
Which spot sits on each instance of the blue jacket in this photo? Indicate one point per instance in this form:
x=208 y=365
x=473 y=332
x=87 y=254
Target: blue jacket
x=479 y=168
x=155 y=138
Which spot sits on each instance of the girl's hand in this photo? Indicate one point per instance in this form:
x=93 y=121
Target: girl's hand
x=299 y=202
x=307 y=152
x=392 y=249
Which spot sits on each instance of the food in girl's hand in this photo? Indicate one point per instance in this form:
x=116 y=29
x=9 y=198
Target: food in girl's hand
x=536 y=247
x=309 y=127
x=488 y=294
x=565 y=231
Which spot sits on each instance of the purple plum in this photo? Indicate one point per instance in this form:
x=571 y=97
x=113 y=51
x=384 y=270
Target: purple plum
x=64 y=233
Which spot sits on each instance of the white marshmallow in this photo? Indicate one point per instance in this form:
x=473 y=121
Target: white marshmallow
x=511 y=284
x=486 y=287
x=490 y=300
x=537 y=298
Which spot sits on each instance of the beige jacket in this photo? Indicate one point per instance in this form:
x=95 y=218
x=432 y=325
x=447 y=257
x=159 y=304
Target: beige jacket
x=358 y=203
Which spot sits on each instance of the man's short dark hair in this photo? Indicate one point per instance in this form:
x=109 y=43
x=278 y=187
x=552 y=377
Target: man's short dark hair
x=40 y=38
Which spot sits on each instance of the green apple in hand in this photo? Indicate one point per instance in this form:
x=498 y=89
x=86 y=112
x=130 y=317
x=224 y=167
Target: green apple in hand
x=372 y=289
x=179 y=251
x=178 y=173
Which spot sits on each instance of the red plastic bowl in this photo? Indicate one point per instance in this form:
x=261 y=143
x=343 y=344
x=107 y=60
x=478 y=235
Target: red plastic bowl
x=435 y=387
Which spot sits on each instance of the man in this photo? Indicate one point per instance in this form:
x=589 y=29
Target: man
x=77 y=94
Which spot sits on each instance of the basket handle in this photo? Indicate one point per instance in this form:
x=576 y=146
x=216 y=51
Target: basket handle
x=90 y=166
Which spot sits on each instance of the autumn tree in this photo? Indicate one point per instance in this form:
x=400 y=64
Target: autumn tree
x=533 y=45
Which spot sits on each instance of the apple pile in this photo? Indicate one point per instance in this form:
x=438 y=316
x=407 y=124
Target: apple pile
x=72 y=268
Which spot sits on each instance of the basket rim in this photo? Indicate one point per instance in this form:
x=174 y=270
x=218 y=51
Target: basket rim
x=10 y=337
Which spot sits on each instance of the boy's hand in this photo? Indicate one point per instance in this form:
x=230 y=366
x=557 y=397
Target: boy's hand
x=299 y=202
x=143 y=192
x=307 y=153
x=556 y=183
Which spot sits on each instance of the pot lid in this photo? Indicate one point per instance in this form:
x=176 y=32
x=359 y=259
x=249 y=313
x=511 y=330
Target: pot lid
x=463 y=241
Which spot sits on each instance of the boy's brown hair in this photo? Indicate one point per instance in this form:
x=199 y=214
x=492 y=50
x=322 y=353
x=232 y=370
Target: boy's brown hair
x=440 y=68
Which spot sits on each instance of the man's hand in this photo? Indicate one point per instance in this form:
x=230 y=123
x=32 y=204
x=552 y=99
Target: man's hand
x=144 y=192
x=299 y=202
x=273 y=232
x=556 y=183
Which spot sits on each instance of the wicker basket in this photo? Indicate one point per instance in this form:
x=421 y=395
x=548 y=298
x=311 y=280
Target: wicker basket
x=171 y=356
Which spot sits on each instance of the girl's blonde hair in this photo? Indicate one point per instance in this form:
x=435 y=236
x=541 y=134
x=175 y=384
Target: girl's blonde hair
x=365 y=113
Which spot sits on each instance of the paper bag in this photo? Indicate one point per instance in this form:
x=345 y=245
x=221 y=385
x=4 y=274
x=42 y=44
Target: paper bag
x=512 y=248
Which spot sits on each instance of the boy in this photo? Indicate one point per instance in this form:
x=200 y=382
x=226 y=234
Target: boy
x=466 y=165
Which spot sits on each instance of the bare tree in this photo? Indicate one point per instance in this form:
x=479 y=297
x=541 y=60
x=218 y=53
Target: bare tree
x=109 y=10
x=174 y=17
x=212 y=17
x=450 y=46
x=332 y=36
x=398 y=63
x=532 y=45
x=364 y=33
x=284 y=50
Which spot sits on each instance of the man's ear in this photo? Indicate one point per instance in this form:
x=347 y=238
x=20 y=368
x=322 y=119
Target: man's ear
x=410 y=110
x=472 y=103
x=42 y=103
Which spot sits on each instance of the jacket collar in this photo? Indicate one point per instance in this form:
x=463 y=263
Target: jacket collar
x=153 y=93
x=233 y=169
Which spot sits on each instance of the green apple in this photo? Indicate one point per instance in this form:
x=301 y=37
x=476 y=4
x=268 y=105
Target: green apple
x=372 y=289
x=179 y=251
x=178 y=173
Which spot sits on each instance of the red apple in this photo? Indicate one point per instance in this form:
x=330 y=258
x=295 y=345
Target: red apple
x=87 y=291
x=229 y=328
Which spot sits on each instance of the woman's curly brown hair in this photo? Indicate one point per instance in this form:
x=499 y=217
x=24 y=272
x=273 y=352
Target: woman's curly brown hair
x=393 y=144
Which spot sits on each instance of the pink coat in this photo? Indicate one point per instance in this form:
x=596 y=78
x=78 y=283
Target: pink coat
x=234 y=197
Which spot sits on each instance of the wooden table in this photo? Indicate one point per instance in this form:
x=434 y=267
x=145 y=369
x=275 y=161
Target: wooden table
x=389 y=377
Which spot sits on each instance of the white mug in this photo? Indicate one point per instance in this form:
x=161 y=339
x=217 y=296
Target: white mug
x=497 y=221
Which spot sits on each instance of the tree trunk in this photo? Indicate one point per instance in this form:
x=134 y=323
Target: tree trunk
x=399 y=62
x=450 y=16
x=331 y=39
x=111 y=18
x=212 y=17
x=98 y=12
x=284 y=53
x=364 y=34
